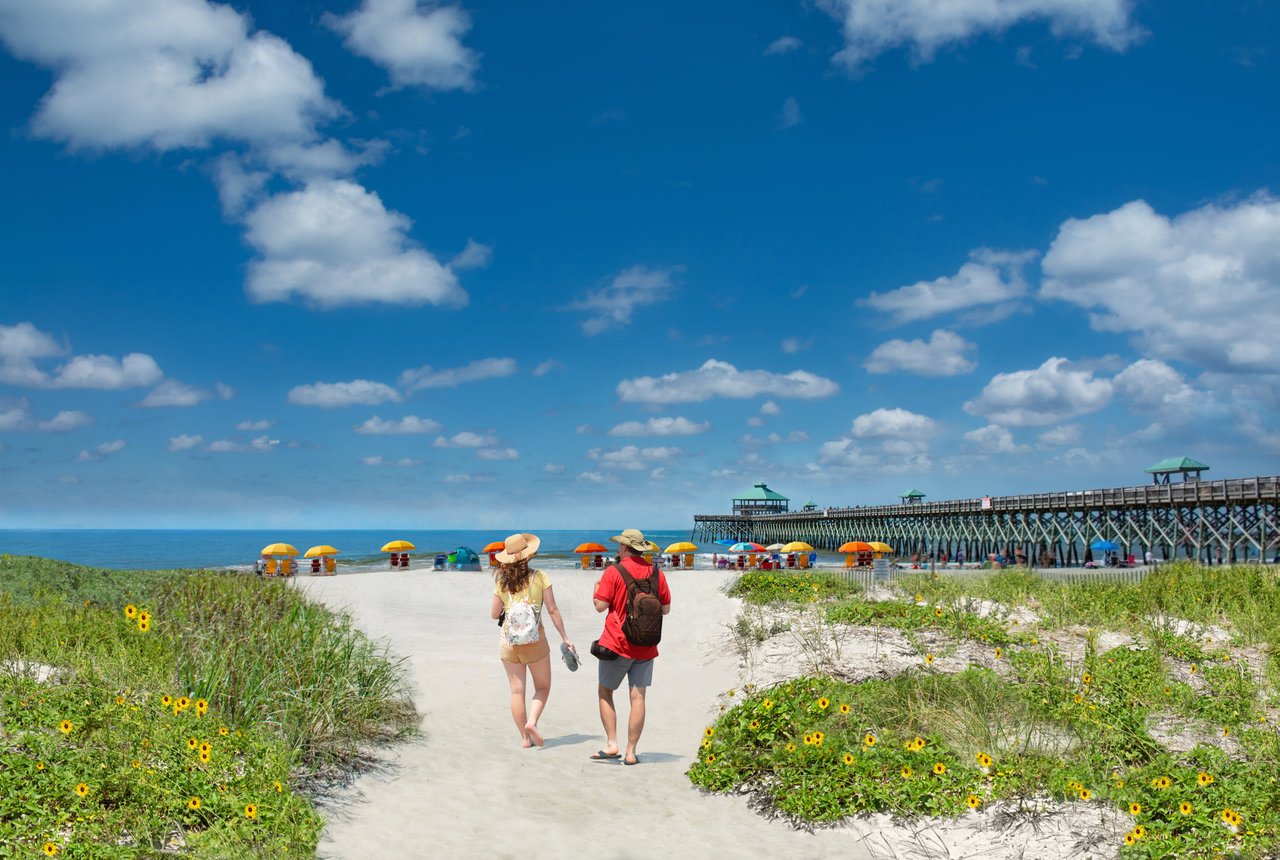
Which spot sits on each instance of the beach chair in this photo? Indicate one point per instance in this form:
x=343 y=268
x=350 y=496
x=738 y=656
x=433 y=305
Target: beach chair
x=315 y=566
x=688 y=560
x=598 y=562
x=270 y=569
x=742 y=562
x=439 y=562
x=803 y=560
x=586 y=562
x=330 y=565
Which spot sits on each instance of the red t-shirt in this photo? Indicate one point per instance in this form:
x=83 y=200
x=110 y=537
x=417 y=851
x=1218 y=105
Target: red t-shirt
x=613 y=590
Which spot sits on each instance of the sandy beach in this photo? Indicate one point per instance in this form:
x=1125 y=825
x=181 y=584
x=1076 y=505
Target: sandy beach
x=467 y=788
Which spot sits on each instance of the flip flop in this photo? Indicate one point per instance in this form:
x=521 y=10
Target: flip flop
x=630 y=763
x=601 y=755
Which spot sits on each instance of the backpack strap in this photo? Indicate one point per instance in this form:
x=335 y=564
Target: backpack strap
x=628 y=579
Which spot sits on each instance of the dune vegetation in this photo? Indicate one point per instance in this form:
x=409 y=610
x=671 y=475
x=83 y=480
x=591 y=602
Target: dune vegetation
x=188 y=712
x=1154 y=703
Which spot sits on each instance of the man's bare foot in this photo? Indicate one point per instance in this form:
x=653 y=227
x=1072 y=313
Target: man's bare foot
x=531 y=734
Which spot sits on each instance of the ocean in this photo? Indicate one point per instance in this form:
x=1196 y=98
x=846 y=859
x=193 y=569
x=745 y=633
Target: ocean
x=164 y=549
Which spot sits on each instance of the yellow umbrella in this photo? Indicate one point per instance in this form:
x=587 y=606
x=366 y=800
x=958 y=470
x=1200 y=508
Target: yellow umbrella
x=880 y=546
x=855 y=546
x=398 y=546
x=797 y=546
x=279 y=549
x=323 y=549
x=682 y=546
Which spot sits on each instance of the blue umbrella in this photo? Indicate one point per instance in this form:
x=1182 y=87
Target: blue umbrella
x=746 y=546
x=1105 y=546
x=726 y=542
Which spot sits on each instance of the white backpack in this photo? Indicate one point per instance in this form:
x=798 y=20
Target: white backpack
x=521 y=626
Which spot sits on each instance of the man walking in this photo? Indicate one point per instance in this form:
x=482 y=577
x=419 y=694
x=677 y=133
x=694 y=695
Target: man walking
x=634 y=661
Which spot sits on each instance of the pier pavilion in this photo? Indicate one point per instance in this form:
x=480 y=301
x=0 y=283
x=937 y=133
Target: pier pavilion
x=1211 y=521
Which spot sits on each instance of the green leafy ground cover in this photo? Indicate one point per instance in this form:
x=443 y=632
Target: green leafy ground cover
x=184 y=711
x=1043 y=723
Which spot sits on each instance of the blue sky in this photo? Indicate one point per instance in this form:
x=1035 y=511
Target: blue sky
x=491 y=265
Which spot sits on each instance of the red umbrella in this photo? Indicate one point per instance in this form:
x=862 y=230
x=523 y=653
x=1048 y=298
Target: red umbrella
x=495 y=546
x=590 y=547
x=856 y=546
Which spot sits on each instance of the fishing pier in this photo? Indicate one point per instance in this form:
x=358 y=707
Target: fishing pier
x=1224 y=521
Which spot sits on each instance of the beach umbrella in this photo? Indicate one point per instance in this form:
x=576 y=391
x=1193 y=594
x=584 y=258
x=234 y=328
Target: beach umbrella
x=681 y=546
x=773 y=547
x=1104 y=546
x=280 y=549
x=746 y=546
x=856 y=546
x=726 y=542
x=590 y=547
x=398 y=546
x=495 y=546
x=316 y=551
x=880 y=546
x=797 y=546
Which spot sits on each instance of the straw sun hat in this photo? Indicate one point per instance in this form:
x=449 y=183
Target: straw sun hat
x=518 y=547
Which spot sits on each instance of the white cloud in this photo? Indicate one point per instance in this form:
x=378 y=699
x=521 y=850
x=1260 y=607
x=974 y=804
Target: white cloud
x=790 y=116
x=795 y=344
x=428 y=377
x=597 y=478
x=404 y=462
x=632 y=457
x=547 y=366
x=184 y=442
x=1153 y=386
x=253 y=426
x=676 y=426
x=23 y=344
x=553 y=468
x=106 y=449
x=418 y=43
x=20 y=346
x=1050 y=393
x=721 y=379
x=224 y=391
x=162 y=73
x=797 y=436
x=611 y=306
x=872 y=27
x=171 y=392
x=375 y=460
x=329 y=395
x=473 y=256
x=755 y=421
x=1058 y=437
x=64 y=421
x=498 y=454
x=944 y=354
x=260 y=445
x=409 y=424
x=467 y=439
x=770 y=408
x=991 y=280
x=895 y=423
x=1203 y=287
x=333 y=243
x=994 y=439
x=783 y=45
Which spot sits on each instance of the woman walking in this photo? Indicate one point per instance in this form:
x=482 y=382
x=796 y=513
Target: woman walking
x=520 y=593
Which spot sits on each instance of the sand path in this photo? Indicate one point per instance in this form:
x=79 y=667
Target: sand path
x=468 y=789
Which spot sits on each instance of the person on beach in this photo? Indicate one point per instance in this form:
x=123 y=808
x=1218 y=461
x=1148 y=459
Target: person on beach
x=515 y=584
x=634 y=662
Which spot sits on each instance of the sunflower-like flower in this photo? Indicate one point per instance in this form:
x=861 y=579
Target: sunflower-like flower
x=204 y=756
x=279 y=787
x=928 y=659
x=1162 y=782
x=166 y=700
x=818 y=738
x=937 y=613
x=845 y=709
x=791 y=748
x=1135 y=809
x=753 y=725
x=711 y=758
x=1086 y=678
x=183 y=703
x=223 y=730
x=144 y=625
x=193 y=804
x=206 y=747
x=50 y=848
x=767 y=704
x=1085 y=794
x=848 y=758
x=823 y=703
x=1129 y=838
x=1204 y=779
x=906 y=773
x=251 y=810
x=869 y=740
x=1184 y=808
x=939 y=768
x=82 y=789
x=192 y=743
x=983 y=759
x=66 y=727
x=131 y=612
x=973 y=801
x=201 y=707
x=999 y=653
x=1078 y=699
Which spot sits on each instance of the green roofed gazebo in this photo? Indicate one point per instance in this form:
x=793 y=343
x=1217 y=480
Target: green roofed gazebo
x=810 y=506
x=760 y=500
x=912 y=497
x=1188 y=468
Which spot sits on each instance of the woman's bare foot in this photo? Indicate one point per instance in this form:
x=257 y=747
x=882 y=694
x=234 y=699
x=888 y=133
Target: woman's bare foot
x=531 y=734
x=525 y=742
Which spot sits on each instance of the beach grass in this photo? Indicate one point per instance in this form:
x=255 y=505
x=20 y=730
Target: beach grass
x=183 y=711
x=1091 y=730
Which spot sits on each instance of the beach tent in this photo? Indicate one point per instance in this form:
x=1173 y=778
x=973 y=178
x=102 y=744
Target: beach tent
x=465 y=558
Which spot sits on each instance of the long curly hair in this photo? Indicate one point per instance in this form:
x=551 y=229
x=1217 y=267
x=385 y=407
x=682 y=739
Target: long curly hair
x=514 y=577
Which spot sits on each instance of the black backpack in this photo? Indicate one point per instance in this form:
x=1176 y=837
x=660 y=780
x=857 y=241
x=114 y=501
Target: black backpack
x=642 y=619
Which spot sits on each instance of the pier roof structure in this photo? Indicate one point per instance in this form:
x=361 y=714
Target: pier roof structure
x=1188 y=468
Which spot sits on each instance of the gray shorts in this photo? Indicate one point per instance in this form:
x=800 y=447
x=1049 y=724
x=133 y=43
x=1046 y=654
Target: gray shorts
x=639 y=673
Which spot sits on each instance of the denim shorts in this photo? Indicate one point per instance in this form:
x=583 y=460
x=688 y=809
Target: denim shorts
x=639 y=673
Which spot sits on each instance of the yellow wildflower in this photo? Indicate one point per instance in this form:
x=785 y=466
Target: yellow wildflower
x=50 y=848
x=869 y=740
x=1184 y=808
x=848 y=758
x=66 y=727
x=906 y=773
x=131 y=612
x=1085 y=794
x=823 y=703
x=193 y=803
x=974 y=801
x=845 y=709
x=1135 y=809
x=939 y=768
x=82 y=789
x=251 y=810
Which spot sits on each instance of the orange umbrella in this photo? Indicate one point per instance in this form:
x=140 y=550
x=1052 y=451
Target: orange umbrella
x=495 y=546
x=590 y=547
x=856 y=546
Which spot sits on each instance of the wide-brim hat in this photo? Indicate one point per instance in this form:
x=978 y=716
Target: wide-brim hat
x=635 y=539
x=518 y=547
